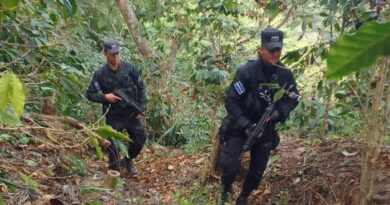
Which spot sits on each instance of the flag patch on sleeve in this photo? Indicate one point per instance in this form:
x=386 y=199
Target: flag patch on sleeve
x=239 y=87
x=97 y=86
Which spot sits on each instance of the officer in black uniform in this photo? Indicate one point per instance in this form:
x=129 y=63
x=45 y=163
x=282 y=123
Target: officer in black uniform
x=245 y=107
x=120 y=75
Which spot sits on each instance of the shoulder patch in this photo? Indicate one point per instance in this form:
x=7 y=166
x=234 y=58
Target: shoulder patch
x=97 y=86
x=239 y=87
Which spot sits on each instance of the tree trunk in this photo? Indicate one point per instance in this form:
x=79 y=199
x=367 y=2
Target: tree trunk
x=374 y=137
x=324 y=127
x=211 y=164
x=132 y=22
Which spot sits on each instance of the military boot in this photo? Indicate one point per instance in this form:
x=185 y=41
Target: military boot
x=243 y=198
x=222 y=195
x=129 y=166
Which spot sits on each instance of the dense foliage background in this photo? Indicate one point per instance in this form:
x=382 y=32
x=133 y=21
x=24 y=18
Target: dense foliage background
x=188 y=52
x=54 y=46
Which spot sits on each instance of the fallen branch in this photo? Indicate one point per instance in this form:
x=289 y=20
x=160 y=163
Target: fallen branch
x=78 y=126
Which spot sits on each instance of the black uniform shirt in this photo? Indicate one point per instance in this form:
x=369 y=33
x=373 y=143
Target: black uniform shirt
x=125 y=78
x=242 y=98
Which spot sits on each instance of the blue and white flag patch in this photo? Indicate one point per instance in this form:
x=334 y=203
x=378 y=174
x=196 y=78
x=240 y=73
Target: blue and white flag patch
x=97 y=86
x=239 y=87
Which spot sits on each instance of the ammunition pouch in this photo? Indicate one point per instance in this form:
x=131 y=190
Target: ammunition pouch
x=242 y=123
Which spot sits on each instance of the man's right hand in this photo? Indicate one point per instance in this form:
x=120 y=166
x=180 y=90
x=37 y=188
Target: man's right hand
x=249 y=129
x=111 y=98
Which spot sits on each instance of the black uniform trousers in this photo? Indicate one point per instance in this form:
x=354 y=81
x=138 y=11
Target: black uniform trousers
x=230 y=157
x=137 y=133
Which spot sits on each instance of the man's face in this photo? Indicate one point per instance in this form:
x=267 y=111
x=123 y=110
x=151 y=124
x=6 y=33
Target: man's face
x=270 y=57
x=112 y=58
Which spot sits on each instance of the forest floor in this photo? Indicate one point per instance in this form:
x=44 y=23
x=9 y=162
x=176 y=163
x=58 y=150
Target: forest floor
x=41 y=168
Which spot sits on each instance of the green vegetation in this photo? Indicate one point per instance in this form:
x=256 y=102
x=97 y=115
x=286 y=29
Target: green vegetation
x=50 y=48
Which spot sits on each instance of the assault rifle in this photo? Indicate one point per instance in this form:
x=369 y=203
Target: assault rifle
x=128 y=101
x=256 y=132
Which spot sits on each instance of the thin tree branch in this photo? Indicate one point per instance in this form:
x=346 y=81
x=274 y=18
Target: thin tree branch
x=289 y=14
x=7 y=64
x=132 y=22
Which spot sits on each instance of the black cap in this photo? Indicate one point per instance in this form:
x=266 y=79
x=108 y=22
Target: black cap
x=272 y=38
x=111 y=46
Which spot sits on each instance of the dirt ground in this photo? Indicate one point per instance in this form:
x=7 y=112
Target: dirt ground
x=63 y=169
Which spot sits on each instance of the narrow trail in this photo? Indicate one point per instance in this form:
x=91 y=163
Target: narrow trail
x=62 y=169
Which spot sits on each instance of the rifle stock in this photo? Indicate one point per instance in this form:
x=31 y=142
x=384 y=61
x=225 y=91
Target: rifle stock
x=128 y=101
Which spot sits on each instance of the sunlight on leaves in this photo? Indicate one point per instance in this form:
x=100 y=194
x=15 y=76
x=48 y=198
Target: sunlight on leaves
x=359 y=51
x=10 y=4
x=97 y=147
x=106 y=132
x=29 y=182
x=12 y=91
x=278 y=95
x=18 y=95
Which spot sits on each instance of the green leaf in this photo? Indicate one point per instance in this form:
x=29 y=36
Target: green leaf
x=5 y=89
x=90 y=190
x=11 y=90
x=359 y=51
x=24 y=140
x=122 y=147
x=70 y=7
x=270 y=85
x=12 y=186
x=107 y=132
x=8 y=119
x=97 y=147
x=18 y=95
x=10 y=4
x=94 y=203
x=278 y=95
x=5 y=137
x=1 y=201
x=29 y=181
x=30 y=163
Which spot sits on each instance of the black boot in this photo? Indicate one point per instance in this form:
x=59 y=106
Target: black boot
x=222 y=195
x=129 y=166
x=243 y=198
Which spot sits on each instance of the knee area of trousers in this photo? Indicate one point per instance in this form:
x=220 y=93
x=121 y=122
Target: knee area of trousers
x=268 y=146
x=228 y=164
x=137 y=146
x=138 y=139
x=255 y=176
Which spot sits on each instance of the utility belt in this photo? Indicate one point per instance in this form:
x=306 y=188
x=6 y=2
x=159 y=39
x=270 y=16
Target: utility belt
x=118 y=111
x=233 y=124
